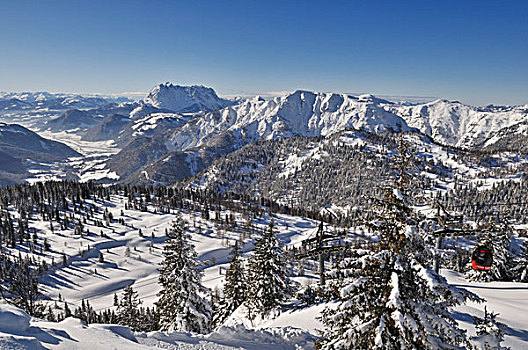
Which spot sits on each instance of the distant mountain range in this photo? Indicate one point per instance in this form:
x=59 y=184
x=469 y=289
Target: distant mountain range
x=46 y=100
x=178 y=131
x=190 y=142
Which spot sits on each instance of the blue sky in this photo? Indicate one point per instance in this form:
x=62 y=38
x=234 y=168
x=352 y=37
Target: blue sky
x=472 y=51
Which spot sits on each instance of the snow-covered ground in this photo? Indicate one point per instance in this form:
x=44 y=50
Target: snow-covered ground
x=508 y=299
x=133 y=259
x=18 y=331
x=86 y=278
x=290 y=330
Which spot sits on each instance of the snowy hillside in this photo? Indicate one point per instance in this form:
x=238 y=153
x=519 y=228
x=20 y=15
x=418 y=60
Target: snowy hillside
x=131 y=245
x=19 y=331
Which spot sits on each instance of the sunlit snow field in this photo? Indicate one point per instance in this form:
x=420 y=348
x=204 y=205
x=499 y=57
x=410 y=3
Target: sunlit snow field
x=86 y=278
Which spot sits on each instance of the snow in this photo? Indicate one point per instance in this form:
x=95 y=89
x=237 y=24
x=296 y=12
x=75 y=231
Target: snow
x=18 y=331
x=303 y=113
x=86 y=278
x=181 y=98
x=79 y=281
x=68 y=334
x=153 y=120
x=295 y=326
x=299 y=113
x=457 y=124
x=13 y=319
x=319 y=114
x=509 y=299
x=90 y=166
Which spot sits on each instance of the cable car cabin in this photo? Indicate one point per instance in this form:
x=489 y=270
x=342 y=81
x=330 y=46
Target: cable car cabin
x=482 y=258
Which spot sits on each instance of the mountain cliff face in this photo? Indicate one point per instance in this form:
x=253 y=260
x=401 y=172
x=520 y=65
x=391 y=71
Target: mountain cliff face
x=178 y=98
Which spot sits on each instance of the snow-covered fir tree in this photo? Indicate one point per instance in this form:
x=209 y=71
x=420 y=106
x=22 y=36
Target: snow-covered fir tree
x=521 y=270
x=489 y=334
x=388 y=297
x=181 y=304
x=19 y=284
x=235 y=288
x=128 y=309
x=268 y=285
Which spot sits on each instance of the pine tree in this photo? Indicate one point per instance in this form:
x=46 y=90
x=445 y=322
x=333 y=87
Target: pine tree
x=21 y=287
x=127 y=309
x=50 y=315
x=67 y=311
x=521 y=270
x=388 y=297
x=489 y=334
x=150 y=320
x=86 y=313
x=268 y=285
x=234 y=289
x=181 y=306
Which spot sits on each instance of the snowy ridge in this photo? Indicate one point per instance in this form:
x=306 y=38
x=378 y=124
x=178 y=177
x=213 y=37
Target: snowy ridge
x=301 y=113
x=456 y=124
x=305 y=113
x=153 y=120
x=32 y=97
x=60 y=101
x=13 y=128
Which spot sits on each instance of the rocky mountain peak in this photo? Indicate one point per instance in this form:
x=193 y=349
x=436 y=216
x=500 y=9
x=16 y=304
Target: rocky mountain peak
x=178 y=98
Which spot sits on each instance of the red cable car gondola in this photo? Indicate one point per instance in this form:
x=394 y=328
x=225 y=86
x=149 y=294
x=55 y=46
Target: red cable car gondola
x=482 y=258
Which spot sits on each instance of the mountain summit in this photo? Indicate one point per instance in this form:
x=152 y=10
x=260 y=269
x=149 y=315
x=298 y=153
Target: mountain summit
x=179 y=98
